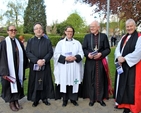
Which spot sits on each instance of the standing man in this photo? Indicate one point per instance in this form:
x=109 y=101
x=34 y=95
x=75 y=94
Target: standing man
x=68 y=69
x=96 y=48
x=113 y=41
x=13 y=62
x=128 y=83
x=39 y=51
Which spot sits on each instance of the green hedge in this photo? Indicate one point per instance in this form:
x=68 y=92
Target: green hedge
x=53 y=39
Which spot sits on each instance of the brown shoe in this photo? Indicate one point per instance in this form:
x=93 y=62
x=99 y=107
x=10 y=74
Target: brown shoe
x=18 y=106
x=12 y=106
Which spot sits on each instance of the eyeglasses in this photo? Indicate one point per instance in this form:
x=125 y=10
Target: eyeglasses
x=38 y=29
x=12 y=30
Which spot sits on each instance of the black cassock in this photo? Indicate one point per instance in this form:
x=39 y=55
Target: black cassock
x=6 y=89
x=95 y=82
x=40 y=84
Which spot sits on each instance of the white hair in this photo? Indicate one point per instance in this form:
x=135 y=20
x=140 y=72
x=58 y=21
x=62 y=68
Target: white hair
x=95 y=21
x=130 y=20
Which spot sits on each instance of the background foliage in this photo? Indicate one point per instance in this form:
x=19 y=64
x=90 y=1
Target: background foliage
x=35 y=12
x=123 y=8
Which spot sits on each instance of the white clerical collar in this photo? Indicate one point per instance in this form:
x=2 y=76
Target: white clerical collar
x=39 y=38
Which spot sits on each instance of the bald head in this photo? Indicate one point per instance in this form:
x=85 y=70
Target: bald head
x=95 y=22
x=94 y=27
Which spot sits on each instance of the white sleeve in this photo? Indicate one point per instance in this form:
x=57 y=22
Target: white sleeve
x=134 y=57
x=117 y=50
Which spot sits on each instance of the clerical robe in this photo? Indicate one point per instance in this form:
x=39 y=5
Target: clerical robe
x=68 y=73
x=7 y=94
x=95 y=82
x=40 y=85
x=128 y=84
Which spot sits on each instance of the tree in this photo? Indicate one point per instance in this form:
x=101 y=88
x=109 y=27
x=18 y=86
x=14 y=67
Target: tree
x=1 y=18
x=73 y=20
x=35 y=12
x=124 y=8
x=14 y=13
x=76 y=22
x=61 y=27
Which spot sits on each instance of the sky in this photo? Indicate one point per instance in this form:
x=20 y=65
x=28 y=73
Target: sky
x=59 y=10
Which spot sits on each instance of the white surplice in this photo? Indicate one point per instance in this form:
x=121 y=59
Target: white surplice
x=70 y=74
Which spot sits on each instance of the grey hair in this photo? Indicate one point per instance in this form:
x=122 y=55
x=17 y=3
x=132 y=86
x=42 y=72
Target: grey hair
x=95 y=21
x=130 y=20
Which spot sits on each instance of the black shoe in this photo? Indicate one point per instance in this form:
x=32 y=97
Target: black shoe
x=45 y=101
x=91 y=103
x=65 y=102
x=102 y=103
x=126 y=110
x=35 y=104
x=74 y=102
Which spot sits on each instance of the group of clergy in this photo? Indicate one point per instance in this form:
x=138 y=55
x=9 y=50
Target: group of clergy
x=73 y=78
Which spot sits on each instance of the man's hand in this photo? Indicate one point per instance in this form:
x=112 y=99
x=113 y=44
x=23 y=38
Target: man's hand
x=121 y=59
x=97 y=56
x=90 y=56
x=40 y=62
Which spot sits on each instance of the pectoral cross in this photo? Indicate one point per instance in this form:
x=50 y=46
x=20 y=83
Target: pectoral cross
x=95 y=49
x=40 y=80
x=75 y=81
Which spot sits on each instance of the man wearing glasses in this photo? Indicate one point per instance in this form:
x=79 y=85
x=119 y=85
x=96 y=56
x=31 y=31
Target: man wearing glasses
x=39 y=51
x=13 y=62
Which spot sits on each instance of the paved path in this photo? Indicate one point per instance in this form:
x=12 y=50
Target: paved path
x=56 y=107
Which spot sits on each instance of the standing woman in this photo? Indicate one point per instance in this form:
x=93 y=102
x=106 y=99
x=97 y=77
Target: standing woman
x=68 y=69
x=22 y=39
x=13 y=62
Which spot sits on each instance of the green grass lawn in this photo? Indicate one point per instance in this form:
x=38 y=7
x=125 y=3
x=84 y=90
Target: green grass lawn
x=111 y=67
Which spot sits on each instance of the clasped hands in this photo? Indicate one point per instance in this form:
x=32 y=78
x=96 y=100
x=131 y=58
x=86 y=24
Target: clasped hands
x=41 y=62
x=70 y=58
x=97 y=56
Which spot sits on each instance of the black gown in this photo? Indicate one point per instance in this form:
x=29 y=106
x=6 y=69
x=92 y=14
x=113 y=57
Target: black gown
x=6 y=89
x=95 y=82
x=40 y=85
